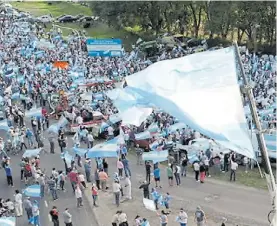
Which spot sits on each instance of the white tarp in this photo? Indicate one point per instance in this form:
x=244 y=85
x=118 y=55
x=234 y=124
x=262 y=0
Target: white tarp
x=202 y=91
x=135 y=116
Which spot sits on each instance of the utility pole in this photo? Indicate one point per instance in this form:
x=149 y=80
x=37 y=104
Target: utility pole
x=266 y=163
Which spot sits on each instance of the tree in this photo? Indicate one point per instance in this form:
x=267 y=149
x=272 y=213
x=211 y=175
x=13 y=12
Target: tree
x=220 y=17
x=196 y=9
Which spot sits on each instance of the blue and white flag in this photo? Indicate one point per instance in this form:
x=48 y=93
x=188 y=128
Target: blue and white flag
x=98 y=96
x=31 y=153
x=54 y=128
x=153 y=128
x=34 y=112
x=32 y=191
x=80 y=151
x=173 y=128
x=155 y=156
x=7 y=221
x=4 y=125
x=143 y=136
x=193 y=157
x=15 y=96
x=103 y=126
x=115 y=118
x=107 y=149
x=67 y=157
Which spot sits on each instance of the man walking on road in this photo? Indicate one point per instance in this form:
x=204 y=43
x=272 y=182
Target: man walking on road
x=234 y=167
x=18 y=204
x=67 y=217
x=55 y=216
x=8 y=171
x=27 y=204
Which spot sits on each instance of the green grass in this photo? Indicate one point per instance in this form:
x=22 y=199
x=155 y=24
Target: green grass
x=55 y=9
x=97 y=30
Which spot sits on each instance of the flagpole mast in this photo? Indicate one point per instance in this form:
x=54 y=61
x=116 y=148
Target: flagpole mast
x=261 y=142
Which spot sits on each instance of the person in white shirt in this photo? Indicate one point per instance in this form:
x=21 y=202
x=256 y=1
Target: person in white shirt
x=81 y=178
x=110 y=133
x=79 y=120
x=79 y=196
x=182 y=218
x=18 y=204
x=90 y=140
x=128 y=187
x=246 y=164
x=122 y=218
x=116 y=191
x=234 y=167
x=196 y=168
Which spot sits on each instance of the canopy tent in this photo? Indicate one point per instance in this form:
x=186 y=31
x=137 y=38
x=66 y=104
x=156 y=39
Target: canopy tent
x=202 y=92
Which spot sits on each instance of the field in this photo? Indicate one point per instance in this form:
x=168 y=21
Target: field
x=56 y=9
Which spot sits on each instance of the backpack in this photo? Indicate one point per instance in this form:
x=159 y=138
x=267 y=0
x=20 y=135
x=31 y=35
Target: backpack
x=199 y=215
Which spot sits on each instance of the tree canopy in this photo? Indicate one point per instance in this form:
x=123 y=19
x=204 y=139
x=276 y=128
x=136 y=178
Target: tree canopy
x=254 y=20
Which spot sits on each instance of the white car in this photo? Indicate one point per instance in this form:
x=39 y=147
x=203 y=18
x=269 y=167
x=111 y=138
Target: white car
x=45 y=19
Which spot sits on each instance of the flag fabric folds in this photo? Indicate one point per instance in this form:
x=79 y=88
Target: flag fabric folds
x=4 y=125
x=32 y=191
x=34 y=112
x=202 y=92
x=155 y=156
x=108 y=149
x=7 y=221
x=31 y=153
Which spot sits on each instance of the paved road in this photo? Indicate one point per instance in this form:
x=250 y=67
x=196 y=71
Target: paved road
x=83 y=216
x=241 y=205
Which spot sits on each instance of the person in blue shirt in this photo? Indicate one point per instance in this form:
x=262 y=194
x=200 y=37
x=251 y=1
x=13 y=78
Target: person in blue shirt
x=157 y=176
x=30 y=135
x=8 y=171
x=166 y=200
x=156 y=197
x=126 y=167
x=87 y=167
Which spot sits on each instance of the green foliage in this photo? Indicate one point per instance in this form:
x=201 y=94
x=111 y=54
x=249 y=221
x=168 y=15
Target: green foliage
x=214 y=18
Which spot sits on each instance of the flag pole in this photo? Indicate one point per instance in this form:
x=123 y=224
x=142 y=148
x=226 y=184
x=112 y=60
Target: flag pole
x=261 y=142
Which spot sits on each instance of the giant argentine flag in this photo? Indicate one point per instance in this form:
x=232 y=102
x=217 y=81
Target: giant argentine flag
x=7 y=221
x=202 y=91
x=107 y=149
x=32 y=191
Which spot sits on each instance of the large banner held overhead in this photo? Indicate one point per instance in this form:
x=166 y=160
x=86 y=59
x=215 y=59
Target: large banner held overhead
x=104 y=47
x=202 y=92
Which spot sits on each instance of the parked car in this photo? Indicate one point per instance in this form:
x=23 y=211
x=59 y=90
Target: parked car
x=86 y=19
x=67 y=19
x=45 y=19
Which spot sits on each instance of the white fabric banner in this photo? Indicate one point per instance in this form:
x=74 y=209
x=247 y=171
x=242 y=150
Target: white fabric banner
x=135 y=115
x=202 y=91
x=149 y=204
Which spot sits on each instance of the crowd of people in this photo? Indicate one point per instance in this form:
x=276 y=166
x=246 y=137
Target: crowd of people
x=29 y=79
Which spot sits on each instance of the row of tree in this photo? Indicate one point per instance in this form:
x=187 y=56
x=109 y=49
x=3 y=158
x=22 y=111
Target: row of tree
x=254 y=20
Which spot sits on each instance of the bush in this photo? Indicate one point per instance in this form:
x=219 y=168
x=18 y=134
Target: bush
x=217 y=42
